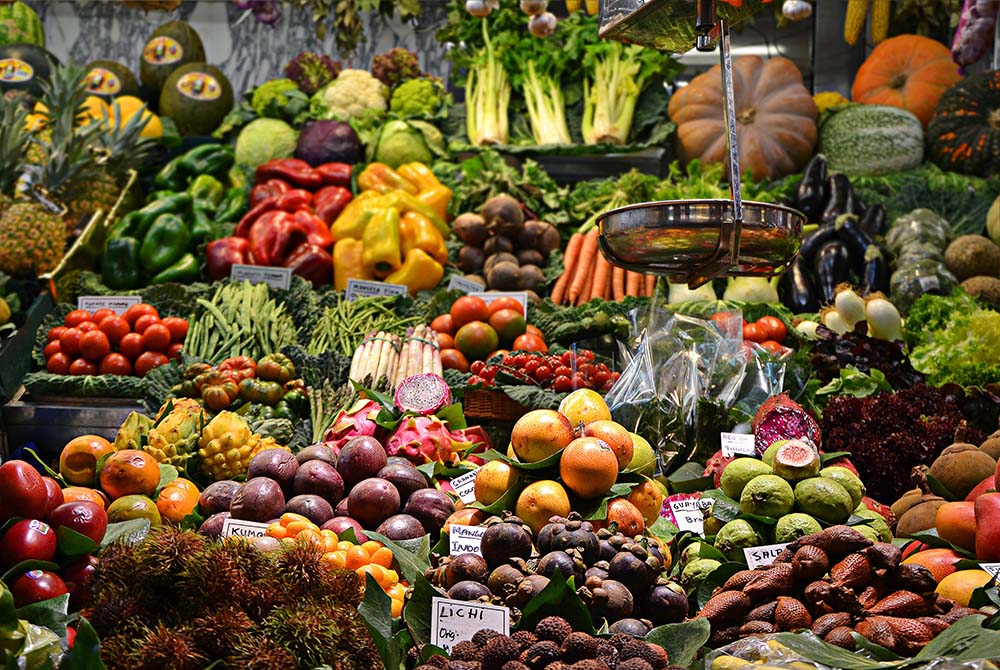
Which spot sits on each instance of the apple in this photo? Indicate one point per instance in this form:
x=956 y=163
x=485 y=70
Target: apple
x=77 y=576
x=55 y=496
x=28 y=539
x=35 y=586
x=22 y=491
x=85 y=517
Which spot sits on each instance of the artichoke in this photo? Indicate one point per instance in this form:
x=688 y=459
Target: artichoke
x=282 y=430
x=225 y=446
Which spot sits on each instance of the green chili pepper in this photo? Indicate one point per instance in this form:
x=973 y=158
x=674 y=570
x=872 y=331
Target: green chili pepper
x=164 y=243
x=184 y=271
x=120 y=263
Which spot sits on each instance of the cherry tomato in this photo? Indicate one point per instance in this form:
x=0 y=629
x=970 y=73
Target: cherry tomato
x=144 y=322
x=567 y=359
x=774 y=347
x=585 y=355
x=531 y=366
x=543 y=373
x=57 y=364
x=774 y=327
x=115 y=327
x=753 y=332
x=528 y=342
x=599 y=379
x=174 y=351
x=580 y=382
x=76 y=317
x=563 y=384
x=149 y=360
x=116 y=364
x=135 y=311
x=476 y=379
x=69 y=342
x=87 y=326
x=563 y=371
x=102 y=314
x=51 y=348
x=476 y=367
x=55 y=333
x=82 y=366
x=156 y=337
x=178 y=328
x=721 y=316
x=131 y=345
x=94 y=345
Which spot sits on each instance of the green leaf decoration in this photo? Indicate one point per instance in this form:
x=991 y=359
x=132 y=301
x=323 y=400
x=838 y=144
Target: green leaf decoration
x=413 y=556
x=85 y=654
x=73 y=543
x=876 y=651
x=558 y=598
x=689 y=478
x=52 y=614
x=682 y=640
x=964 y=640
x=133 y=530
x=417 y=611
x=816 y=650
x=168 y=473
x=717 y=578
x=24 y=566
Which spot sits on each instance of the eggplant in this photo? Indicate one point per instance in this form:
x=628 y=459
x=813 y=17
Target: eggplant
x=811 y=193
x=873 y=221
x=832 y=266
x=841 y=199
x=875 y=275
x=856 y=241
x=814 y=240
x=796 y=288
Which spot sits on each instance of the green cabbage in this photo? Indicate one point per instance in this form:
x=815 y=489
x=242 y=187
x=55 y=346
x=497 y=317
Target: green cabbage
x=263 y=140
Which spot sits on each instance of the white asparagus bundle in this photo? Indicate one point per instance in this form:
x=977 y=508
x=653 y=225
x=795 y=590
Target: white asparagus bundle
x=376 y=358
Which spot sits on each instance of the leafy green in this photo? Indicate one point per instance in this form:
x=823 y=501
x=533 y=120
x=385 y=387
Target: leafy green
x=955 y=339
x=855 y=383
x=89 y=386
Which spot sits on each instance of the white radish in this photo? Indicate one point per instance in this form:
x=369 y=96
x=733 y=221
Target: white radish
x=835 y=322
x=884 y=321
x=850 y=306
x=807 y=329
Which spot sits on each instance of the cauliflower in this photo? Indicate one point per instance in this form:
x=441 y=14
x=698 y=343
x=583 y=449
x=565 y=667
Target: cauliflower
x=271 y=98
x=350 y=95
x=417 y=97
x=312 y=71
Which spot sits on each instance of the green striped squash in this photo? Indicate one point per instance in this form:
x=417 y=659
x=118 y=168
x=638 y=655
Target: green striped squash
x=20 y=23
x=871 y=140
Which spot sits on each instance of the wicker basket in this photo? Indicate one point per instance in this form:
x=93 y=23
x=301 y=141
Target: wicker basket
x=495 y=405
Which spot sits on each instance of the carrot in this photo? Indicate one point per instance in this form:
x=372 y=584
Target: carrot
x=585 y=266
x=588 y=284
x=570 y=258
x=618 y=283
x=633 y=283
x=602 y=277
x=650 y=285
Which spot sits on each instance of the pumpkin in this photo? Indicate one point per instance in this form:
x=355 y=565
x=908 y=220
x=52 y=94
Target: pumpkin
x=775 y=117
x=964 y=135
x=908 y=71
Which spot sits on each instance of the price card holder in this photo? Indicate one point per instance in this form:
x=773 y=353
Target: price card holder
x=240 y=528
x=520 y=296
x=460 y=283
x=116 y=303
x=993 y=569
x=454 y=621
x=763 y=556
x=689 y=515
x=465 y=540
x=360 y=288
x=279 y=278
x=465 y=486
x=737 y=444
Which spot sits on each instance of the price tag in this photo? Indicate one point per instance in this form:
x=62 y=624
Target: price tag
x=737 y=444
x=761 y=557
x=360 y=288
x=992 y=568
x=465 y=486
x=465 y=540
x=520 y=296
x=240 y=528
x=280 y=278
x=689 y=515
x=454 y=621
x=460 y=283
x=116 y=303
x=929 y=283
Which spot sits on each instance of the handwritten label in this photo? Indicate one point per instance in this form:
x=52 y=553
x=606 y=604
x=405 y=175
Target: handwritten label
x=360 y=288
x=240 y=528
x=520 y=296
x=465 y=540
x=992 y=568
x=465 y=486
x=454 y=621
x=689 y=515
x=737 y=444
x=760 y=557
x=460 y=283
x=116 y=303
x=279 y=278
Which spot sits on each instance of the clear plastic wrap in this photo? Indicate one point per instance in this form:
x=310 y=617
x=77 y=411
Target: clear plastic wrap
x=920 y=225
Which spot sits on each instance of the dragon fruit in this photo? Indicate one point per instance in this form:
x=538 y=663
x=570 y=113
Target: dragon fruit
x=423 y=394
x=423 y=439
x=358 y=419
x=715 y=465
x=781 y=418
x=878 y=507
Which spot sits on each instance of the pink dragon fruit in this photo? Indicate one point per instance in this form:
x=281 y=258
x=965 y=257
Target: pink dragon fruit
x=358 y=419
x=781 y=418
x=422 y=394
x=715 y=465
x=423 y=439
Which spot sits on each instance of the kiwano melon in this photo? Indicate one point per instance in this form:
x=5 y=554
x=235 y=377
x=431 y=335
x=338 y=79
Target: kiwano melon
x=20 y=23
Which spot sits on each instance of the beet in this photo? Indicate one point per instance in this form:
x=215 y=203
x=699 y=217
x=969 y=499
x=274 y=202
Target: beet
x=329 y=142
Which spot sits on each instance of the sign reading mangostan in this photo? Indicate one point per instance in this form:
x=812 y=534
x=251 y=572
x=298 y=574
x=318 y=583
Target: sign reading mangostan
x=465 y=540
x=454 y=621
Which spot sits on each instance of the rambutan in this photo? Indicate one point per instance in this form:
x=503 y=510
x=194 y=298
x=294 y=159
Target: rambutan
x=163 y=648
x=300 y=567
x=218 y=633
x=304 y=630
x=264 y=654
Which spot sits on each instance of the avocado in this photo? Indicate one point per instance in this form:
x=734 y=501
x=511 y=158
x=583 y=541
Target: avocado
x=23 y=67
x=109 y=79
x=171 y=45
x=197 y=96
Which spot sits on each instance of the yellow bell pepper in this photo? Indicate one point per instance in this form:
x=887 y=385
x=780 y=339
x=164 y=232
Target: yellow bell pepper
x=418 y=273
x=437 y=199
x=420 y=175
x=417 y=232
x=352 y=221
x=407 y=202
x=348 y=262
x=382 y=178
x=381 y=255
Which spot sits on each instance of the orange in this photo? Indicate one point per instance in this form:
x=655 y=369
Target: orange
x=617 y=437
x=959 y=585
x=956 y=522
x=276 y=530
x=540 y=501
x=130 y=471
x=588 y=467
x=177 y=499
x=648 y=499
x=941 y=562
x=493 y=480
x=78 y=460
x=134 y=507
x=337 y=559
x=626 y=515
x=75 y=493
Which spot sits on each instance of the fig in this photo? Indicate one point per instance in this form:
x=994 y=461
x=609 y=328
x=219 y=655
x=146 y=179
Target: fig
x=212 y=526
x=630 y=627
x=339 y=524
x=217 y=497
x=465 y=567
x=259 y=499
x=406 y=478
x=312 y=507
x=278 y=464
x=468 y=591
x=504 y=541
x=361 y=458
x=319 y=478
x=431 y=507
x=316 y=452
x=401 y=527
x=373 y=501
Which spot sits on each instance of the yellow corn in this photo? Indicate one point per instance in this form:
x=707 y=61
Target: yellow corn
x=593 y=7
x=880 y=20
x=573 y=5
x=854 y=24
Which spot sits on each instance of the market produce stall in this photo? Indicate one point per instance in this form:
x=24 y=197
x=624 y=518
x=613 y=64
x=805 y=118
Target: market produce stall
x=576 y=357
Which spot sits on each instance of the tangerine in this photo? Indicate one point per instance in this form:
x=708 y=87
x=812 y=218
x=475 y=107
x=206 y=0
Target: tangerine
x=468 y=309
x=129 y=471
x=78 y=460
x=177 y=499
x=588 y=467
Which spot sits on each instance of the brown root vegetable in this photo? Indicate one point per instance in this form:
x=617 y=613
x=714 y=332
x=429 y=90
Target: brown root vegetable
x=470 y=228
x=502 y=257
x=471 y=259
x=497 y=244
x=503 y=215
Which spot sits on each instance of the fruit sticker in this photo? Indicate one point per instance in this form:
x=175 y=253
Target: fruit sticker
x=199 y=86
x=15 y=70
x=33 y=574
x=162 y=51
x=40 y=526
x=103 y=82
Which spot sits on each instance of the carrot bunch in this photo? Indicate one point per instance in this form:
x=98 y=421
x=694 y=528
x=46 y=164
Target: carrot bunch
x=589 y=275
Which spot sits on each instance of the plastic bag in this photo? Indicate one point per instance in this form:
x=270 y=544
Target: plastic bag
x=920 y=225
x=927 y=276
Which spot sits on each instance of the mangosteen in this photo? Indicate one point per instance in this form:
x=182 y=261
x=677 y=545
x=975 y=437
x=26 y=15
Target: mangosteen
x=316 y=452
x=598 y=571
x=503 y=577
x=665 y=603
x=629 y=626
x=569 y=534
x=470 y=228
x=527 y=588
x=468 y=590
x=606 y=551
x=632 y=571
x=611 y=600
x=465 y=567
x=558 y=560
x=504 y=541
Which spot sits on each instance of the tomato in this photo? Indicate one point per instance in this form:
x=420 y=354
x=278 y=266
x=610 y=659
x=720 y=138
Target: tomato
x=468 y=309
x=753 y=332
x=528 y=342
x=82 y=366
x=721 y=316
x=131 y=345
x=76 y=317
x=102 y=314
x=178 y=328
x=567 y=359
x=55 y=333
x=156 y=337
x=774 y=347
x=115 y=327
x=445 y=341
x=506 y=302
x=144 y=322
x=94 y=345
x=534 y=330
x=69 y=342
x=453 y=359
x=774 y=327
x=174 y=350
x=149 y=360
x=135 y=311
x=87 y=326
x=116 y=364
x=599 y=379
x=57 y=364
x=543 y=373
x=443 y=324
x=476 y=367
x=51 y=348
x=563 y=384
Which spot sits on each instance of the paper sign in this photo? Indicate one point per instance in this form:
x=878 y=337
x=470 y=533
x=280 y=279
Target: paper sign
x=359 y=288
x=116 y=303
x=760 y=557
x=240 y=528
x=520 y=296
x=279 y=278
x=689 y=515
x=465 y=540
x=465 y=486
x=737 y=444
x=460 y=283
x=992 y=568
x=454 y=621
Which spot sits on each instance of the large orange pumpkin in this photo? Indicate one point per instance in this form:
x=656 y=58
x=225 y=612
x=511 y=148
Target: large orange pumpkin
x=775 y=117
x=907 y=71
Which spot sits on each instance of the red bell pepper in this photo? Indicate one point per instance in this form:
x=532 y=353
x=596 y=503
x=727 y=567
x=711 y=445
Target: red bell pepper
x=311 y=263
x=335 y=174
x=294 y=171
x=222 y=254
x=266 y=205
x=275 y=236
x=294 y=200
x=272 y=187
x=319 y=232
x=330 y=201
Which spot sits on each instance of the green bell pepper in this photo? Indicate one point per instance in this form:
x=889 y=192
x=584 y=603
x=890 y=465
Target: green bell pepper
x=237 y=177
x=171 y=177
x=178 y=203
x=233 y=205
x=120 y=263
x=201 y=224
x=210 y=159
x=185 y=270
x=164 y=243
x=125 y=226
x=207 y=192
x=284 y=411
x=298 y=402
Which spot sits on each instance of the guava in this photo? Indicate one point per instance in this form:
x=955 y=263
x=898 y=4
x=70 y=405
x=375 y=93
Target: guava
x=692 y=552
x=848 y=480
x=767 y=495
x=869 y=532
x=736 y=536
x=876 y=522
x=738 y=473
x=768 y=455
x=695 y=572
x=824 y=499
x=793 y=526
x=796 y=460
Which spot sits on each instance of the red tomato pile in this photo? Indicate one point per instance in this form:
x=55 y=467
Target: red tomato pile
x=768 y=331
x=104 y=343
x=563 y=373
x=476 y=331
